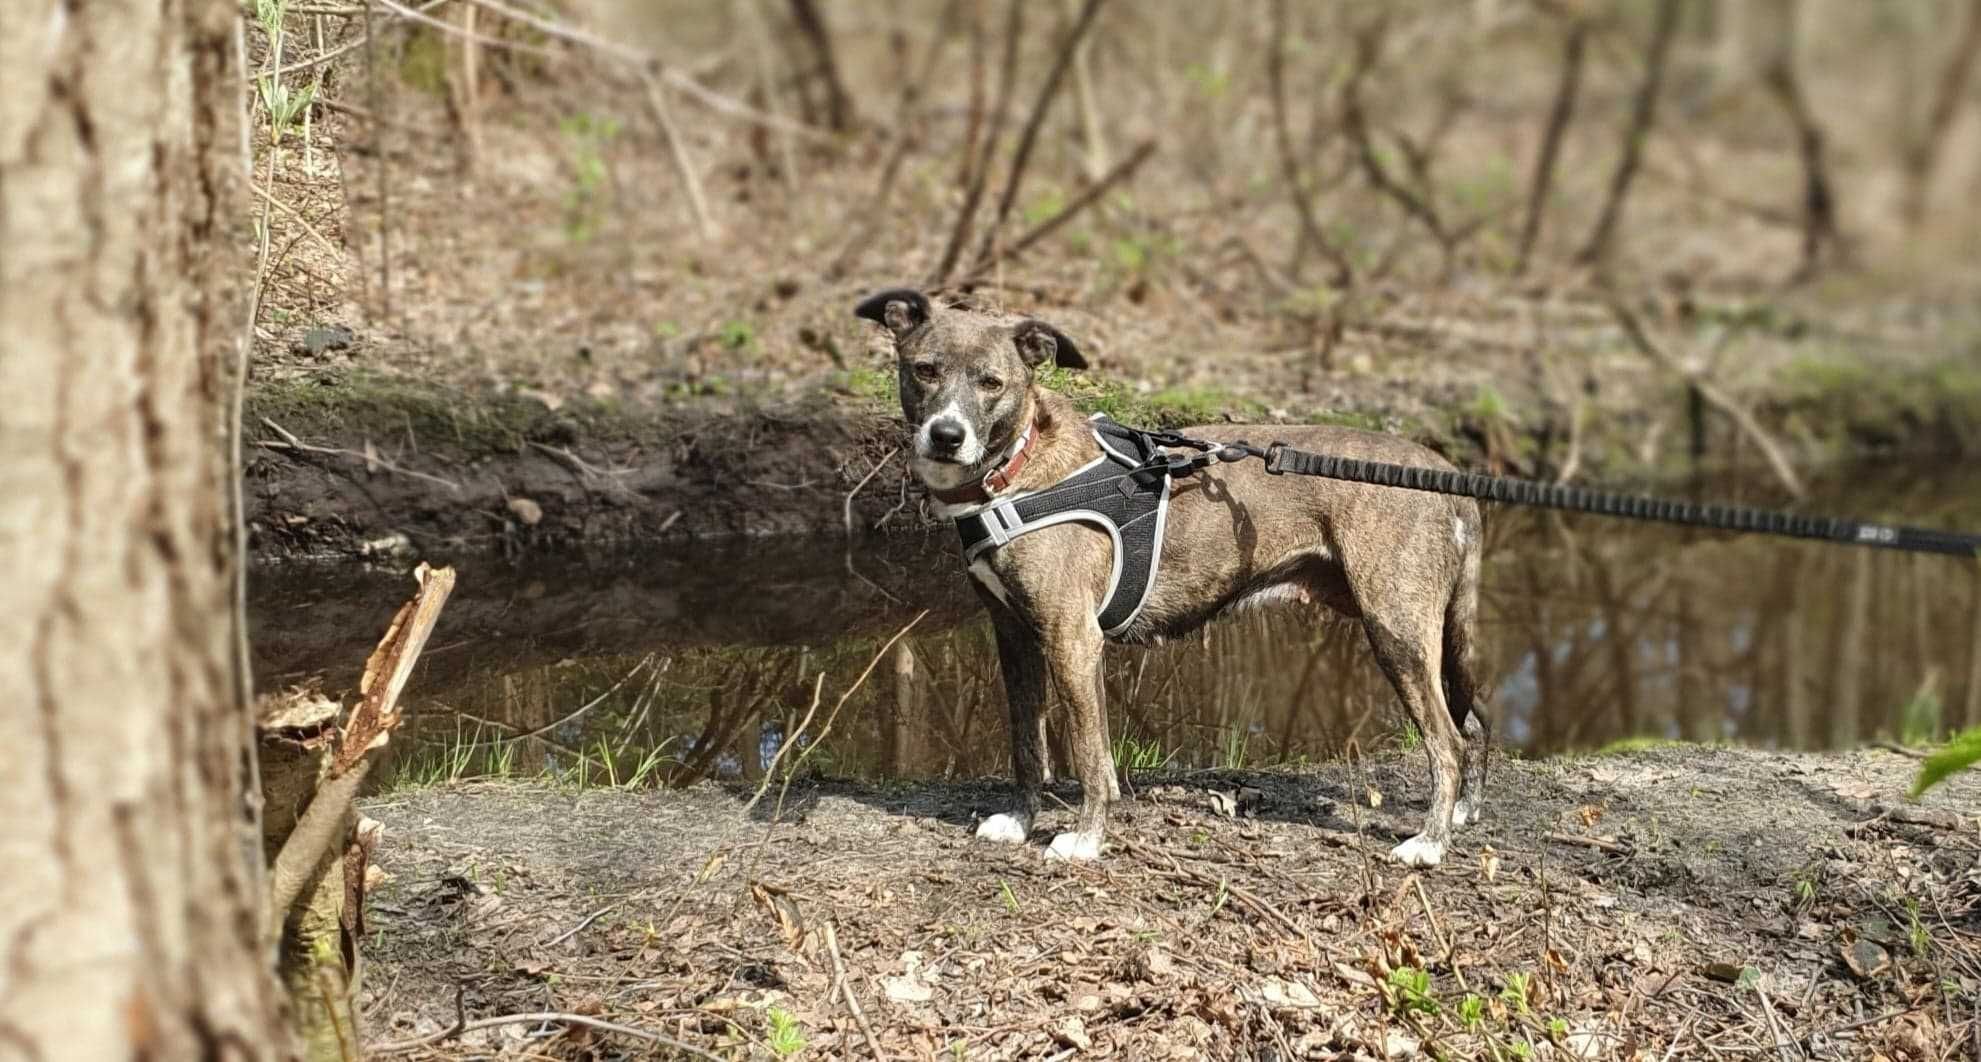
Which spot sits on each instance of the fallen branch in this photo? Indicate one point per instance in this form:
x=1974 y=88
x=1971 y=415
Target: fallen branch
x=322 y=825
x=370 y=458
x=397 y=1047
x=1591 y=842
x=845 y=989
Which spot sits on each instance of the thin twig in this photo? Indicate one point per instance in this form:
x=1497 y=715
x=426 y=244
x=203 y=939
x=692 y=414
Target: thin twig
x=291 y=443
x=677 y=151
x=1787 y=1050
x=401 y=1046
x=878 y=465
x=589 y=919
x=322 y=240
x=845 y=988
x=1438 y=934
x=340 y=50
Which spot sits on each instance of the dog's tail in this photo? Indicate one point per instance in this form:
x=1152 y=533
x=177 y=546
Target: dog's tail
x=1461 y=626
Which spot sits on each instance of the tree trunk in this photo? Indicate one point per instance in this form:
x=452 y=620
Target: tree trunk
x=129 y=921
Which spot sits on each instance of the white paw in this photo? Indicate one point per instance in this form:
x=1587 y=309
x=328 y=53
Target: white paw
x=1463 y=812
x=1418 y=852
x=1005 y=829
x=1075 y=846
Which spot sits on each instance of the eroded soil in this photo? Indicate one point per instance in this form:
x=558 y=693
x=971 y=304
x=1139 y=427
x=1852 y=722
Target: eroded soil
x=1681 y=901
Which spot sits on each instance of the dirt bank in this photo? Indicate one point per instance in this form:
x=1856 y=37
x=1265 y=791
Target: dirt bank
x=1670 y=902
x=358 y=463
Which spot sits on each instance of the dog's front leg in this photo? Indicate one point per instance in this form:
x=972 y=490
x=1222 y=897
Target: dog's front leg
x=1021 y=659
x=1073 y=655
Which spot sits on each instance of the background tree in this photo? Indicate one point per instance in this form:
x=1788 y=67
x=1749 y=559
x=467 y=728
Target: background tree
x=129 y=910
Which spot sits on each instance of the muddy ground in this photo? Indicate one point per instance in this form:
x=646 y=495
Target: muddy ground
x=1672 y=902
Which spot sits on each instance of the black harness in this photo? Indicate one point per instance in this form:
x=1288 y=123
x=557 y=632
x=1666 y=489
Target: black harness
x=1124 y=492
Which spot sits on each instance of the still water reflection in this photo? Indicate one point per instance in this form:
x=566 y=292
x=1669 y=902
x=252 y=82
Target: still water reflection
x=683 y=662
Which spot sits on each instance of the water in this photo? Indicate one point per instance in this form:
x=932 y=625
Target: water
x=684 y=662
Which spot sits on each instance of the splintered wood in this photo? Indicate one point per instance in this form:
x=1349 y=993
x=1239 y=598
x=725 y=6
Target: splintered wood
x=390 y=665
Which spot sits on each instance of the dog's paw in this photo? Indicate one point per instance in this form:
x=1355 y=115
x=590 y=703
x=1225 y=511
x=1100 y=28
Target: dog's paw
x=1005 y=829
x=1463 y=813
x=1418 y=851
x=1075 y=846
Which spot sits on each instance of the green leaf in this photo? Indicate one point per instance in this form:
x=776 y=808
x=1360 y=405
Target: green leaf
x=1958 y=754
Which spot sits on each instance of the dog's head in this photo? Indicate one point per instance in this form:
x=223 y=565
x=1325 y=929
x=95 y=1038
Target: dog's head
x=966 y=379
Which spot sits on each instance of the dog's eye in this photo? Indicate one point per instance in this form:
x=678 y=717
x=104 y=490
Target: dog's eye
x=990 y=383
x=927 y=372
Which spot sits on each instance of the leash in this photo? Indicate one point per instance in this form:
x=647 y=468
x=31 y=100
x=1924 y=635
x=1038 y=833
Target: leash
x=1282 y=459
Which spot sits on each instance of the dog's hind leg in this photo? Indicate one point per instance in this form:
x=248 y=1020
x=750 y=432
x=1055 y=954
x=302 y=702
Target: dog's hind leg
x=1021 y=660
x=1407 y=648
x=1462 y=695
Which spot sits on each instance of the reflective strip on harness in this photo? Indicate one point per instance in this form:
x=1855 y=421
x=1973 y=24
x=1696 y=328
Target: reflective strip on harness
x=1132 y=509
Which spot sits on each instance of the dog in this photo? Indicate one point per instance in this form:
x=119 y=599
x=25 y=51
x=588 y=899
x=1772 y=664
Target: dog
x=1404 y=563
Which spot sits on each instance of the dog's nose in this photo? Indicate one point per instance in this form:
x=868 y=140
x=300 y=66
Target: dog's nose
x=946 y=434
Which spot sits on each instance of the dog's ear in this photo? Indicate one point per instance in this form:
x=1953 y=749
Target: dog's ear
x=900 y=309
x=1040 y=343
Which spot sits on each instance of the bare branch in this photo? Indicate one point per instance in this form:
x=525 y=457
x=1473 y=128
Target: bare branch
x=1922 y=155
x=973 y=194
x=1633 y=329
x=1021 y=157
x=1574 y=49
x=1643 y=113
x=1289 y=163
x=1121 y=172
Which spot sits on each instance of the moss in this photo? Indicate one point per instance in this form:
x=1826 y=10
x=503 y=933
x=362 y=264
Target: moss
x=423 y=62
x=1168 y=408
x=876 y=385
x=1626 y=746
x=376 y=405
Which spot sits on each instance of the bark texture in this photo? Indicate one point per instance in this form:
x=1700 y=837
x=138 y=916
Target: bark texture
x=128 y=906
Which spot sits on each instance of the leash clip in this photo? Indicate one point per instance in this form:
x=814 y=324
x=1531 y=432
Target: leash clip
x=1275 y=455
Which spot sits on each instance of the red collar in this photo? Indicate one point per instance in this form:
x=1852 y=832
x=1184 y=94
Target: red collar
x=995 y=480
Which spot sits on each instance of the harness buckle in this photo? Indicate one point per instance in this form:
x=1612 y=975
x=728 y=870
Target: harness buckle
x=1001 y=520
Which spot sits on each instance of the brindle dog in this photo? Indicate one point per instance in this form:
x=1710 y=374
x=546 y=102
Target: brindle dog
x=1404 y=563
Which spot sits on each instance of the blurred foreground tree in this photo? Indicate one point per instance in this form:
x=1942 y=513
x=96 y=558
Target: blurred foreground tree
x=130 y=909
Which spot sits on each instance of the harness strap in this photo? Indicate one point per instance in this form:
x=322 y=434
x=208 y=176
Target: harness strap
x=1124 y=492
